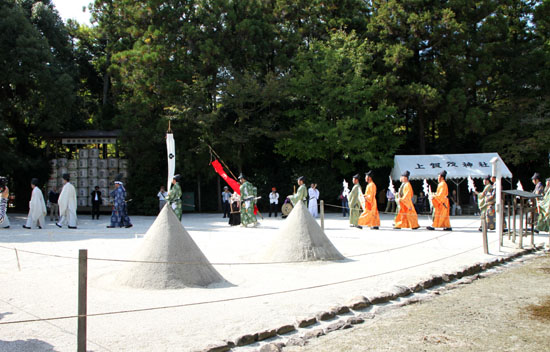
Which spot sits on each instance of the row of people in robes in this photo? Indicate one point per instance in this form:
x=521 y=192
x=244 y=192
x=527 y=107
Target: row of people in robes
x=364 y=208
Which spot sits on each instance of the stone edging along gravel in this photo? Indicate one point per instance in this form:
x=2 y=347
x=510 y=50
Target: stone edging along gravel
x=356 y=305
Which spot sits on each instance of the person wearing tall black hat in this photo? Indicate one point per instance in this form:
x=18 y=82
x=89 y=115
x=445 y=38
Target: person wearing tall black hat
x=406 y=214
x=248 y=201
x=370 y=216
x=543 y=223
x=37 y=207
x=440 y=202
x=119 y=215
x=174 y=196
x=484 y=201
x=301 y=193
x=67 y=204
x=356 y=201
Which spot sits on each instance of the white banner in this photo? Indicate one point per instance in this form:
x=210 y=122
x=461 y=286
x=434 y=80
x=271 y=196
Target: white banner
x=171 y=152
x=475 y=165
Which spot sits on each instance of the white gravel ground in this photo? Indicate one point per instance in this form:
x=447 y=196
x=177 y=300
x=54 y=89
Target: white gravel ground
x=47 y=286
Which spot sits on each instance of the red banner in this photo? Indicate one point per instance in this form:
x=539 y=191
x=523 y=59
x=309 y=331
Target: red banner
x=231 y=182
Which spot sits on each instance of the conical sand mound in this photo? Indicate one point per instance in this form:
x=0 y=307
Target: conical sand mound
x=301 y=239
x=168 y=241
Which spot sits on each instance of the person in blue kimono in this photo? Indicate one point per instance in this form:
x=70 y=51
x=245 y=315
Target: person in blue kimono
x=119 y=216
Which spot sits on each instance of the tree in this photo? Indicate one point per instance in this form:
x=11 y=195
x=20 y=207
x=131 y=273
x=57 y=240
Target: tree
x=337 y=114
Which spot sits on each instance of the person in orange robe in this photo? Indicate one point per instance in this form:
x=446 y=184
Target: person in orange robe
x=406 y=215
x=370 y=216
x=440 y=203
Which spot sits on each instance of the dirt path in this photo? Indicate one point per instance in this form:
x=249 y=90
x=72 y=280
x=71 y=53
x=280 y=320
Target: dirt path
x=490 y=314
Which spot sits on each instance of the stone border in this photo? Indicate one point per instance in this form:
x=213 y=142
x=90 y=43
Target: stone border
x=466 y=274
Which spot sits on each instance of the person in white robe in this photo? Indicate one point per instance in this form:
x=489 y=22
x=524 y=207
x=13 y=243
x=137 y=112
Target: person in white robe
x=313 y=197
x=37 y=207
x=67 y=204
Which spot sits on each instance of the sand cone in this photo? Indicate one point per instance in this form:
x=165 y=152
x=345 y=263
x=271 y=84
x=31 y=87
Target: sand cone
x=301 y=239
x=168 y=241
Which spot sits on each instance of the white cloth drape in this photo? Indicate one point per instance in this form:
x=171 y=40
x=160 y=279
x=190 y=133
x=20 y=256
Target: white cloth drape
x=171 y=153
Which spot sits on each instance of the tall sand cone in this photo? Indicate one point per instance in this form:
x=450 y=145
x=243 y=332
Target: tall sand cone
x=301 y=239
x=168 y=241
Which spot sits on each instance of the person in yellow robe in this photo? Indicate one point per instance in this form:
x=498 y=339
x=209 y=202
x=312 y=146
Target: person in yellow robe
x=406 y=215
x=440 y=203
x=370 y=216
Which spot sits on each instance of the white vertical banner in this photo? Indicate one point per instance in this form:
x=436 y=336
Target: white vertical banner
x=171 y=152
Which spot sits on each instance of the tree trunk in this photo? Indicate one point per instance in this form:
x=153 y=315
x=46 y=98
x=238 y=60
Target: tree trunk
x=421 y=134
x=199 y=203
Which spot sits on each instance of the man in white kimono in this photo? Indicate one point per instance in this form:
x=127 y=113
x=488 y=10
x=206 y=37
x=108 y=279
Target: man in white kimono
x=37 y=207
x=313 y=193
x=67 y=204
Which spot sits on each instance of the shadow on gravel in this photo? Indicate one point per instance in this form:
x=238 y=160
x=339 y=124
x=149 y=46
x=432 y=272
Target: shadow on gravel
x=26 y=345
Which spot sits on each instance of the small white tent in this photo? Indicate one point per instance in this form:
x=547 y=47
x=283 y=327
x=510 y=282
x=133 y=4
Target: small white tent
x=476 y=165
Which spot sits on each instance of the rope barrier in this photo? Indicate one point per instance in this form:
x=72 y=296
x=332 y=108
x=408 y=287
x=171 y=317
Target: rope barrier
x=220 y=263
x=242 y=297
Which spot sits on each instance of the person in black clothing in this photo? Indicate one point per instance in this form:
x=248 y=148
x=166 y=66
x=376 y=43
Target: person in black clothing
x=96 y=202
x=53 y=196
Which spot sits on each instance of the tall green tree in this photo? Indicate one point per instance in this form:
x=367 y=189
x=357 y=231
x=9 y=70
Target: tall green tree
x=337 y=112
x=37 y=87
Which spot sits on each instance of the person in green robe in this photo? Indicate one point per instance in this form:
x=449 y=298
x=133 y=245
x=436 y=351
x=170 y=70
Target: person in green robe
x=544 y=209
x=301 y=194
x=248 y=200
x=355 y=205
x=174 y=196
x=484 y=201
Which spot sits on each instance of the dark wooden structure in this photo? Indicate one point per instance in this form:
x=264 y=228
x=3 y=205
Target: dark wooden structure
x=522 y=203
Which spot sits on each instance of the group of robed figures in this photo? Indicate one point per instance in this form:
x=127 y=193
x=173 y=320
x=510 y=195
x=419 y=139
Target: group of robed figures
x=364 y=208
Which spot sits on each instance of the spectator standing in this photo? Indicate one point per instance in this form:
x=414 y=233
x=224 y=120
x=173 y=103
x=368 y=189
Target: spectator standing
x=313 y=197
x=226 y=198
x=420 y=204
x=53 y=197
x=390 y=206
x=344 y=199
x=162 y=197
x=96 y=202
x=456 y=209
x=273 y=201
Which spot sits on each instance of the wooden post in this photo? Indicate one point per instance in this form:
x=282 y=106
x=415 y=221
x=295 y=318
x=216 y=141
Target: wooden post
x=323 y=215
x=520 y=240
x=501 y=233
x=509 y=223
x=484 y=235
x=515 y=205
x=82 y=299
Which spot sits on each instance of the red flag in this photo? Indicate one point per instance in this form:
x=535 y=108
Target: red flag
x=231 y=182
